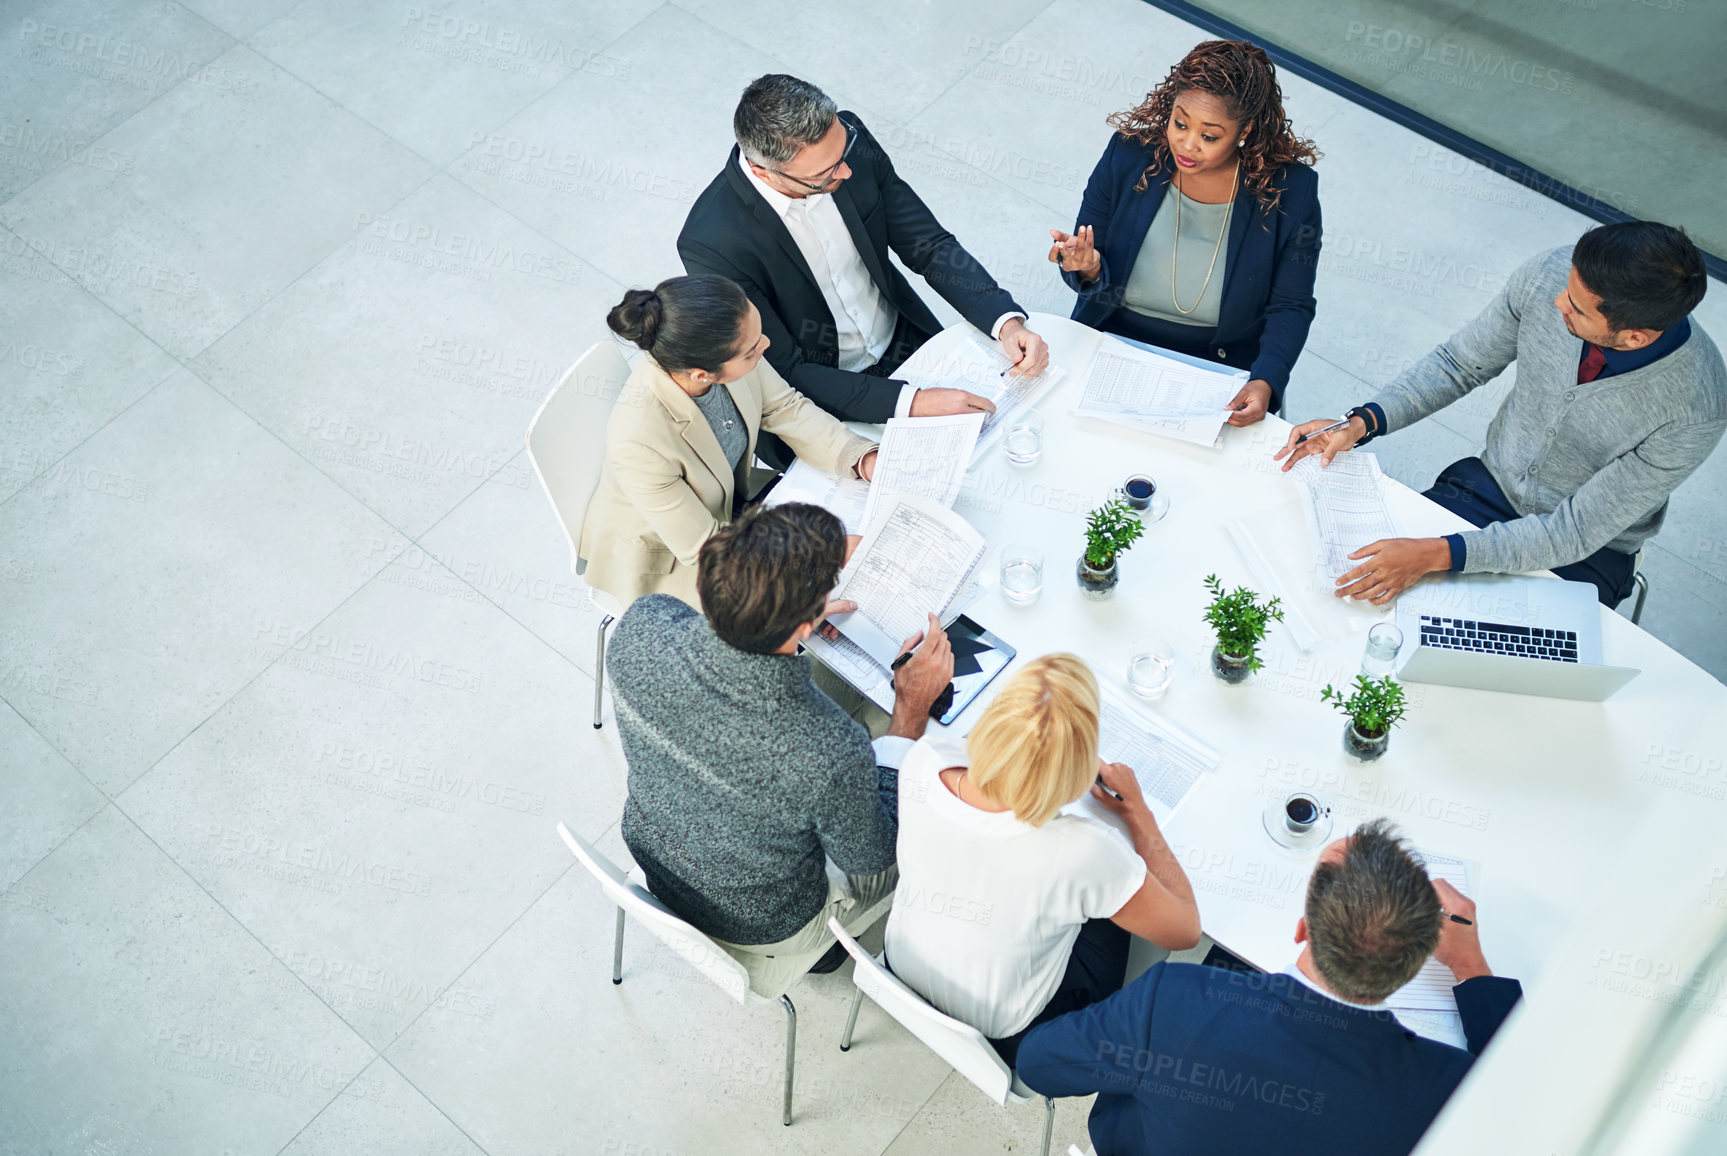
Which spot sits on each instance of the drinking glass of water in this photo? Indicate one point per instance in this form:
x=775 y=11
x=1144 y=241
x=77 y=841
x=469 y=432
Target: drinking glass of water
x=1150 y=666
x=1021 y=573
x=1380 y=657
x=1023 y=438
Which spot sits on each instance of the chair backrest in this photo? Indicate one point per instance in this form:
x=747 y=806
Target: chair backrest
x=638 y=902
x=961 y=1045
x=567 y=438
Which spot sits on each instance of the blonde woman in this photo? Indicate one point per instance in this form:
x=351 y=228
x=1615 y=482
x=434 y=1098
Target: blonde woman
x=683 y=434
x=1010 y=912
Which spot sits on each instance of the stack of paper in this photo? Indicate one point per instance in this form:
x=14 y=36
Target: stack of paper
x=844 y=496
x=979 y=366
x=915 y=560
x=1345 y=507
x=1144 y=390
x=1167 y=761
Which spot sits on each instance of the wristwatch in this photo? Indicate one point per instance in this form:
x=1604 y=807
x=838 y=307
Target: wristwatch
x=1367 y=421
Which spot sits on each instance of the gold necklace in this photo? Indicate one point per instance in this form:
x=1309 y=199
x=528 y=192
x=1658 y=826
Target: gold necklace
x=1175 y=247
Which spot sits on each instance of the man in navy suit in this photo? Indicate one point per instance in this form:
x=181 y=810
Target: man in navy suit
x=1191 y=1059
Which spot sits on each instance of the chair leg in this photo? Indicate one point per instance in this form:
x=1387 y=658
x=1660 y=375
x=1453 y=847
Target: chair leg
x=618 y=950
x=851 y=1020
x=791 y=1055
x=600 y=670
x=1642 y=593
x=1048 y=1123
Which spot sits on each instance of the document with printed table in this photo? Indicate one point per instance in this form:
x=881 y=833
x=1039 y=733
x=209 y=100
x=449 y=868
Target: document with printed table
x=1165 y=759
x=916 y=559
x=1430 y=990
x=1344 y=504
x=843 y=496
x=1145 y=390
x=979 y=366
x=923 y=456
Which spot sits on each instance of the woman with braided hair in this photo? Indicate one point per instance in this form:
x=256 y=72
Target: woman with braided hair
x=1199 y=229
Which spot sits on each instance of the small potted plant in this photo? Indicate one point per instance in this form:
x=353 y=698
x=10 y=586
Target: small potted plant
x=1109 y=531
x=1376 y=706
x=1241 y=621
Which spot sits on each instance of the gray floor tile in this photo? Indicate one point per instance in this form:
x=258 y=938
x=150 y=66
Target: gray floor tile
x=438 y=78
x=931 y=45
x=408 y=369
x=239 y=18
x=153 y=598
x=381 y=1114
x=67 y=364
x=76 y=68
x=611 y=174
x=1687 y=609
x=140 y=1018
x=959 y=1120
x=379 y=805
x=572 y=1063
x=505 y=542
x=43 y=799
x=197 y=235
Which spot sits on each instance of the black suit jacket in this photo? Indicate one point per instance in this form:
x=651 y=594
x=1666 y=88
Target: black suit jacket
x=733 y=232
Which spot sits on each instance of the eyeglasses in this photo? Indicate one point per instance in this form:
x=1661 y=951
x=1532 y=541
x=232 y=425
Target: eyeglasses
x=820 y=185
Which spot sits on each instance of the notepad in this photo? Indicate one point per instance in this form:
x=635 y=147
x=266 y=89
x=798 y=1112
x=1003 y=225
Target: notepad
x=1430 y=990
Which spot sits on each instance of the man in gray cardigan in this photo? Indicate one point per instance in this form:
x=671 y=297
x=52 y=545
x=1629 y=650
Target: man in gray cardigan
x=745 y=779
x=1618 y=398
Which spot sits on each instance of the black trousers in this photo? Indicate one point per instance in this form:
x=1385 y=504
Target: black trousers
x=907 y=340
x=1095 y=971
x=1469 y=491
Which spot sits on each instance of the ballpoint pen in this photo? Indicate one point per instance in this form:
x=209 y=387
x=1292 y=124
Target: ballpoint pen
x=1458 y=919
x=1336 y=425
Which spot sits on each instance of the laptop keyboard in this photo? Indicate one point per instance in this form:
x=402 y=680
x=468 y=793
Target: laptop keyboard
x=1498 y=638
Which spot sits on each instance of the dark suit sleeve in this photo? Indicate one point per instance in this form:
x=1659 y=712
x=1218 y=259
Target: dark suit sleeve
x=1484 y=1002
x=848 y=396
x=1096 y=208
x=1289 y=307
x=933 y=253
x=1093 y=1049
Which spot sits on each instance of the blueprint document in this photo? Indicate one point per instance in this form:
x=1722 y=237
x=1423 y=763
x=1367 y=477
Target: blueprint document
x=924 y=456
x=1344 y=504
x=979 y=366
x=1144 y=390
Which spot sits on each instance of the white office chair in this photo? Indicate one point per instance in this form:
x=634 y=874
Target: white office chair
x=961 y=1045
x=566 y=444
x=631 y=894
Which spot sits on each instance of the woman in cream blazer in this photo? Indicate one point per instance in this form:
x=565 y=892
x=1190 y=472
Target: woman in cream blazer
x=666 y=483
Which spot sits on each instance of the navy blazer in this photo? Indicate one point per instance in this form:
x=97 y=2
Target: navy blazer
x=1267 y=304
x=731 y=231
x=1192 y=1059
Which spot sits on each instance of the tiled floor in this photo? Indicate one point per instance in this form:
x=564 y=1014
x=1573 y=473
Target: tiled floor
x=294 y=669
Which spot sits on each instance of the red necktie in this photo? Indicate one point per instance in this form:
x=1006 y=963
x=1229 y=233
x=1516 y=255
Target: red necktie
x=1592 y=364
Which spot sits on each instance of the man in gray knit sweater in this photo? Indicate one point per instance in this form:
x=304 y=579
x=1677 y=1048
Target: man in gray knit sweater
x=1618 y=398
x=746 y=781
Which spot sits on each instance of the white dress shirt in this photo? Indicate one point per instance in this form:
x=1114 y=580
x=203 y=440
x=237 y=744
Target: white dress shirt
x=1294 y=972
x=864 y=318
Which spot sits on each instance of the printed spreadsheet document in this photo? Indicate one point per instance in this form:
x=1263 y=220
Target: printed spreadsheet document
x=1144 y=390
x=1345 y=507
x=924 y=456
x=979 y=366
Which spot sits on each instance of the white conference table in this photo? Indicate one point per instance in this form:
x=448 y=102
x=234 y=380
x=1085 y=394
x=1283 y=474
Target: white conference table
x=1537 y=791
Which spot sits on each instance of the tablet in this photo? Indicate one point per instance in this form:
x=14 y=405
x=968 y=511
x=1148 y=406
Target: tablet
x=978 y=656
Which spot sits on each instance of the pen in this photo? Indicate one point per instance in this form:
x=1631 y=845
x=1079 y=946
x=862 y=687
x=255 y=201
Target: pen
x=901 y=660
x=1336 y=425
x=1459 y=919
x=1106 y=789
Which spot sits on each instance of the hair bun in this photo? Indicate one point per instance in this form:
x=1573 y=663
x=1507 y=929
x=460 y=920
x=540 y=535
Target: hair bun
x=637 y=317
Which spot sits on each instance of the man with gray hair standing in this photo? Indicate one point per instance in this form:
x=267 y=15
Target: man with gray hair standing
x=802 y=217
x=1197 y=1059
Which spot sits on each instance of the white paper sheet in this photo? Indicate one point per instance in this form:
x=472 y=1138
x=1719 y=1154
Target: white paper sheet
x=979 y=366
x=1144 y=390
x=916 y=559
x=925 y=456
x=1166 y=760
x=844 y=496
x=849 y=660
x=1430 y=990
x=1345 y=507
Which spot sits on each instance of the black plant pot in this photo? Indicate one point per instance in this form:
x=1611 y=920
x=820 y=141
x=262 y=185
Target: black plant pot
x=1230 y=668
x=1094 y=583
x=1361 y=746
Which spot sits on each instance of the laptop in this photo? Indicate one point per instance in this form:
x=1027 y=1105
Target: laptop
x=1538 y=636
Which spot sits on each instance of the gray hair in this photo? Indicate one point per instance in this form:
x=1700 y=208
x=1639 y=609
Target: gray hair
x=1374 y=918
x=778 y=115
